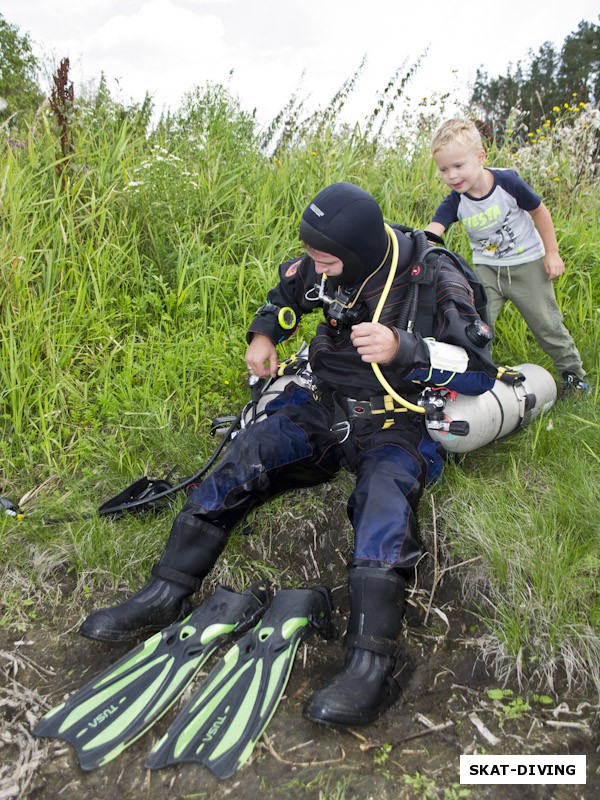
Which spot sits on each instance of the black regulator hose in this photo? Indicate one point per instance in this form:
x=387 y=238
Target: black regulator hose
x=133 y=504
x=409 y=306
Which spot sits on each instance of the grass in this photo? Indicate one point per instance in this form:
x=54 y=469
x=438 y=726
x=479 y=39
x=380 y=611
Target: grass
x=530 y=520
x=127 y=279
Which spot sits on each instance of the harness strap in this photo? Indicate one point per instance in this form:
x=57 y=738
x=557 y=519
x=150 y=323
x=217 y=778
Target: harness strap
x=385 y=412
x=341 y=427
x=381 y=410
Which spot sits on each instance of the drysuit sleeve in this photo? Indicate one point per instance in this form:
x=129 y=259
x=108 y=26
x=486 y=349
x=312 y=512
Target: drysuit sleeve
x=287 y=302
x=470 y=369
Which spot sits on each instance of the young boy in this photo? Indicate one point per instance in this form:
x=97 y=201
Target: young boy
x=510 y=230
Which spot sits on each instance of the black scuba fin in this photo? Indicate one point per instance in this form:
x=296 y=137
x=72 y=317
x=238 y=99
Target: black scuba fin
x=120 y=705
x=227 y=715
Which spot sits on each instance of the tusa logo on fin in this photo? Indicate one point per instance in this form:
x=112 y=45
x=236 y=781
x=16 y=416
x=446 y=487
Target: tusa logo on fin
x=214 y=728
x=103 y=716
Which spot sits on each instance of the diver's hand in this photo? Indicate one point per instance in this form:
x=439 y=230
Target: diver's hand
x=261 y=357
x=375 y=343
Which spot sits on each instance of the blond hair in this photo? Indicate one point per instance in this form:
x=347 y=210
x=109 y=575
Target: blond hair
x=463 y=131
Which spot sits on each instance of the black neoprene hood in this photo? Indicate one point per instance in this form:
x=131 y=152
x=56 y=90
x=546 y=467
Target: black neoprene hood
x=346 y=222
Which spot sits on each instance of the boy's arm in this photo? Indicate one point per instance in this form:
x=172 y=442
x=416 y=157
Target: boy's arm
x=553 y=263
x=436 y=227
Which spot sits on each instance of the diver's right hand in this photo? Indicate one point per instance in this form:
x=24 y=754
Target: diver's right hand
x=261 y=357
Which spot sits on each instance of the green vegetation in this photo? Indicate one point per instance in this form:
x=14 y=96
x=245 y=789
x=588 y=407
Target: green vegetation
x=131 y=262
x=19 y=70
x=542 y=81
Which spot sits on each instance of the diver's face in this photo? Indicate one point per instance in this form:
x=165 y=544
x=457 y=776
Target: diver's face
x=325 y=263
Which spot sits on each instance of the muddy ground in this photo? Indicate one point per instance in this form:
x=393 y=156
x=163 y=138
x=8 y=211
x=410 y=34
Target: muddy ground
x=445 y=709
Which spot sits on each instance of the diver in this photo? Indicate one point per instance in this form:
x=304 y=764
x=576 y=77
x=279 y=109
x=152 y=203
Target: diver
x=355 y=269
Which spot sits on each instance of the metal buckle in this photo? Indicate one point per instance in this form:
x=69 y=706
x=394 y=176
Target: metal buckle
x=340 y=429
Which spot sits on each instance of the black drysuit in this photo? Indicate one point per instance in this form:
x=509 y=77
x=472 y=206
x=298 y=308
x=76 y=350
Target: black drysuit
x=295 y=446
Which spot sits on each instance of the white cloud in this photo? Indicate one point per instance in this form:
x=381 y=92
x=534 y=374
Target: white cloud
x=168 y=46
x=157 y=36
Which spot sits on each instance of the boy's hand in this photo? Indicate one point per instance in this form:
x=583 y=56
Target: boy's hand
x=554 y=266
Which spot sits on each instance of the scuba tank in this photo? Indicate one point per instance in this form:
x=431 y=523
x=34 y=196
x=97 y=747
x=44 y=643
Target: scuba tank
x=464 y=423
x=460 y=423
x=295 y=368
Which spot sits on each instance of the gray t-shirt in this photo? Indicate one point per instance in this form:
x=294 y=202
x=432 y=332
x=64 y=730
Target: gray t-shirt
x=499 y=229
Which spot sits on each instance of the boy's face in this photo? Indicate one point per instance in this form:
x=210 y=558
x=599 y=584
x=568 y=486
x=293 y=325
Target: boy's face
x=461 y=167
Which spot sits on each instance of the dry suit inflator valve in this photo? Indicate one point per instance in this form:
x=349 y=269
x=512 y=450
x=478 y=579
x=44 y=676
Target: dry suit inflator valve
x=342 y=311
x=479 y=333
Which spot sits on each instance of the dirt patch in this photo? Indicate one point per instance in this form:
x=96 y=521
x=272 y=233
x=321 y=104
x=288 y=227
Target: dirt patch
x=451 y=704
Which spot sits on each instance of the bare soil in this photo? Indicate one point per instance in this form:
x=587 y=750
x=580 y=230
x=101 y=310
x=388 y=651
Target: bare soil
x=411 y=752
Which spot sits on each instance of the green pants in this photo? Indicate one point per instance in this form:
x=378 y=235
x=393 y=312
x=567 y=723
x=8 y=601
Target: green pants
x=528 y=288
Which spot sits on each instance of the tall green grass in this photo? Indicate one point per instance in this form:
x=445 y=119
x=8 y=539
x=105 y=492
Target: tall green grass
x=127 y=280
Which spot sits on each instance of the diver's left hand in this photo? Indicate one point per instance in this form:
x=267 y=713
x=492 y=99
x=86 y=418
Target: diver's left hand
x=375 y=343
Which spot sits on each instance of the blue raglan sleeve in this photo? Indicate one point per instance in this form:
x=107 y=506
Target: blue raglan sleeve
x=447 y=211
x=511 y=181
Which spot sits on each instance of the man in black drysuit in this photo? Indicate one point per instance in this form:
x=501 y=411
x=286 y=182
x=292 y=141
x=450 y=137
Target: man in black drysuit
x=349 y=419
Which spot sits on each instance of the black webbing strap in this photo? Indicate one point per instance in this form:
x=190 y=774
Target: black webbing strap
x=175 y=576
x=376 y=644
x=342 y=428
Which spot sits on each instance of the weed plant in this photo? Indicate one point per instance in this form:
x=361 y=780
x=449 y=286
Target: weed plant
x=130 y=268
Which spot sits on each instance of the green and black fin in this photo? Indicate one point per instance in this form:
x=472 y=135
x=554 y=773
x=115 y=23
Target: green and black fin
x=227 y=715
x=120 y=705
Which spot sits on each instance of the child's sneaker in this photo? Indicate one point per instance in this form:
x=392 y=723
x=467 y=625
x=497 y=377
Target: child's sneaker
x=573 y=385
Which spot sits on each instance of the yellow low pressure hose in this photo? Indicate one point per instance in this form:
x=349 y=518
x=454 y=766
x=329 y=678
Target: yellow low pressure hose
x=377 y=314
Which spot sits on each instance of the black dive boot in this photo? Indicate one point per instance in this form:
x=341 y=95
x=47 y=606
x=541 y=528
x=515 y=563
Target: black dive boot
x=153 y=608
x=365 y=686
x=192 y=549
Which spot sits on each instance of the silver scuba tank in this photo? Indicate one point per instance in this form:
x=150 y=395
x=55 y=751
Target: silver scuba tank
x=468 y=422
x=464 y=422
x=295 y=368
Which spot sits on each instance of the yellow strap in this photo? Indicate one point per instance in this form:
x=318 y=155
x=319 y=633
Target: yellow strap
x=389 y=409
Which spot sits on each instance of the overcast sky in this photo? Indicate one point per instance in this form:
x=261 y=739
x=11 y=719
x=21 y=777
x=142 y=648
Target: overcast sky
x=274 y=47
